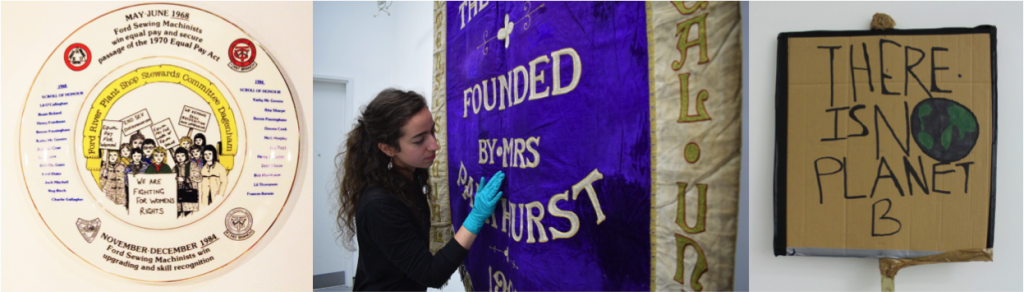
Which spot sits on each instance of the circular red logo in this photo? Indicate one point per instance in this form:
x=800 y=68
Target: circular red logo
x=242 y=52
x=77 y=56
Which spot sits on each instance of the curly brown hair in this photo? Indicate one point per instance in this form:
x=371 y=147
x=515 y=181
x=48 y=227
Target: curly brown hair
x=361 y=165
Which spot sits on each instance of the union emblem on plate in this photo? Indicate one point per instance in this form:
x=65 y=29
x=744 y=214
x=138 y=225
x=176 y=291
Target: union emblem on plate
x=239 y=224
x=88 y=228
x=77 y=56
x=242 y=53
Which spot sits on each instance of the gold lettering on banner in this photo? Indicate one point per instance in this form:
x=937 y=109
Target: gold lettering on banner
x=516 y=72
x=516 y=216
x=468 y=9
x=497 y=282
x=534 y=78
x=477 y=95
x=574 y=221
x=494 y=95
x=511 y=151
x=517 y=236
x=556 y=70
x=682 y=31
x=438 y=234
x=588 y=184
x=524 y=83
x=435 y=214
x=684 y=97
x=535 y=220
x=698 y=270
x=702 y=208
x=687 y=10
x=466 y=98
x=494 y=221
x=504 y=92
x=506 y=217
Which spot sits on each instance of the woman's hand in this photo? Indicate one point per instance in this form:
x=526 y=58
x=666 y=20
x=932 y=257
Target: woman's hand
x=483 y=204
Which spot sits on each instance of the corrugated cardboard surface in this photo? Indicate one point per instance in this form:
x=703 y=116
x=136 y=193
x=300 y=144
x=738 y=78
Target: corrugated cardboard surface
x=862 y=194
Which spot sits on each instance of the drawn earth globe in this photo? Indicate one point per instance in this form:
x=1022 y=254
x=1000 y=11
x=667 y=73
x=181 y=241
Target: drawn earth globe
x=944 y=129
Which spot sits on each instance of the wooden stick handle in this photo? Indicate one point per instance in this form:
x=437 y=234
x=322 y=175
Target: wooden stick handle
x=887 y=284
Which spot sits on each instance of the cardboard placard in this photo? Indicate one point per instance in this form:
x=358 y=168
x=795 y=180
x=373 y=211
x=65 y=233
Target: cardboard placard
x=885 y=142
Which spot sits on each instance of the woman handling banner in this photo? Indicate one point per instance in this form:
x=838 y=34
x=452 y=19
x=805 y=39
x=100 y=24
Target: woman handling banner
x=382 y=197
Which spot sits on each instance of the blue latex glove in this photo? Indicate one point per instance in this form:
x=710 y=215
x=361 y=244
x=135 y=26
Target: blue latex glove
x=486 y=198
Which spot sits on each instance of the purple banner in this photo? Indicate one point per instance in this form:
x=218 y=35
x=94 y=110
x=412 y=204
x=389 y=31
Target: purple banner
x=556 y=95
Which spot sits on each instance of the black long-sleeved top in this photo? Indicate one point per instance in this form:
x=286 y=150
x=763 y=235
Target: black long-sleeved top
x=394 y=251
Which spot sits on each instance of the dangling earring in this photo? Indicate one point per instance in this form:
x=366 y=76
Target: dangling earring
x=389 y=163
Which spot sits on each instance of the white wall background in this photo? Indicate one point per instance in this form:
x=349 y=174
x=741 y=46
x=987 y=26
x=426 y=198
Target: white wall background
x=329 y=97
x=34 y=260
x=372 y=54
x=767 y=272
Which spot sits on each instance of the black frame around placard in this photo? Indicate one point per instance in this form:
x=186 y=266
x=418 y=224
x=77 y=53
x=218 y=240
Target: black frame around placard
x=782 y=115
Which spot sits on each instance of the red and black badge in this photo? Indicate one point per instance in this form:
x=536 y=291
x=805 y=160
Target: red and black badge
x=77 y=56
x=243 y=55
